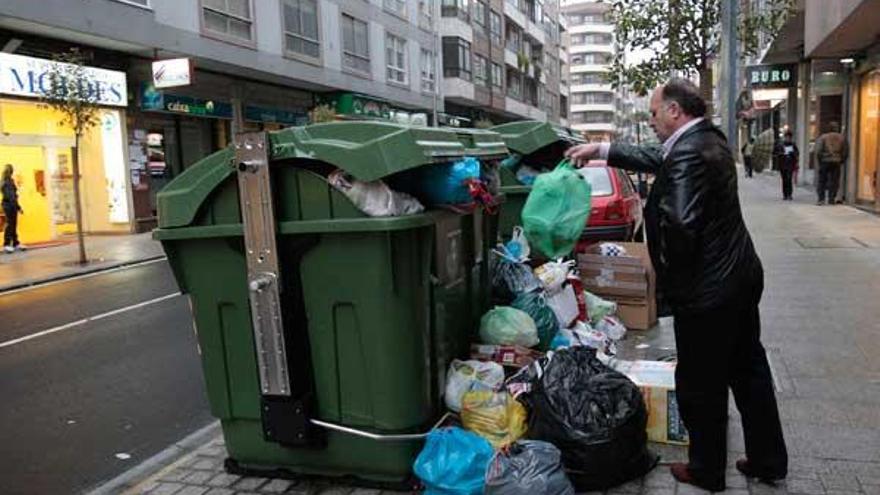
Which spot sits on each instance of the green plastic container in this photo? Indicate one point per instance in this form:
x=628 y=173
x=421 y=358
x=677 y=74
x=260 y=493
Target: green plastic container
x=539 y=144
x=374 y=308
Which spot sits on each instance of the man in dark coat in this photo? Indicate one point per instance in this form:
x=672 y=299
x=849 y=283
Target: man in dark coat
x=711 y=277
x=786 y=155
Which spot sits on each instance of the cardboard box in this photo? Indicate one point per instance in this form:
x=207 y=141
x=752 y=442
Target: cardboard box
x=630 y=275
x=656 y=380
x=505 y=355
x=637 y=314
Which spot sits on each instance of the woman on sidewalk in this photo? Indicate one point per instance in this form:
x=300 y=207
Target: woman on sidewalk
x=786 y=154
x=11 y=209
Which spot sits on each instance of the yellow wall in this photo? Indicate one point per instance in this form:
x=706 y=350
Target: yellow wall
x=30 y=166
x=869 y=131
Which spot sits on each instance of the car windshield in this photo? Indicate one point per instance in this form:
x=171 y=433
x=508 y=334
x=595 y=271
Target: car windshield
x=600 y=180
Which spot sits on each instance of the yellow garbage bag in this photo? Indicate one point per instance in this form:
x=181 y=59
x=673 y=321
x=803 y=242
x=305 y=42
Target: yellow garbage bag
x=495 y=416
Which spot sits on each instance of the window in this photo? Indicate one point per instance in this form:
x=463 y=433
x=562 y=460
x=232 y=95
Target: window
x=592 y=39
x=355 y=44
x=456 y=58
x=481 y=70
x=588 y=78
x=301 y=27
x=592 y=98
x=563 y=106
x=591 y=59
x=592 y=117
x=397 y=7
x=514 y=84
x=428 y=70
x=231 y=18
x=456 y=8
x=514 y=37
x=481 y=19
x=574 y=19
x=497 y=75
x=426 y=13
x=395 y=58
x=495 y=27
x=599 y=180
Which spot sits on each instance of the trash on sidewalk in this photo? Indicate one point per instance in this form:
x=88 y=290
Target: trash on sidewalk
x=464 y=376
x=495 y=416
x=375 y=198
x=505 y=355
x=445 y=183
x=556 y=211
x=626 y=278
x=534 y=304
x=598 y=307
x=656 y=380
x=595 y=415
x=528 y=467
x=453 y=462
x=505 y=325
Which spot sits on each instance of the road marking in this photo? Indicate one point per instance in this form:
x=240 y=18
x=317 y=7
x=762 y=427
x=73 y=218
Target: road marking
x=40 y=285
x=89 y=319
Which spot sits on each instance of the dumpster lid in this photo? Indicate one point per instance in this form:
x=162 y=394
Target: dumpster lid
x=367 y=150
x=528 y=136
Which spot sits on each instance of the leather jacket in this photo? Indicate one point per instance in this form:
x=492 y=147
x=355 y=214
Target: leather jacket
x=698 y=241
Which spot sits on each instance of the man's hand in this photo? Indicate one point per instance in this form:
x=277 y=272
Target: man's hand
x=582 y=153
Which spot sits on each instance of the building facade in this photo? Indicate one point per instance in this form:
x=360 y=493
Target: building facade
x=269 y=61
x=502 y=60
x=590 y=41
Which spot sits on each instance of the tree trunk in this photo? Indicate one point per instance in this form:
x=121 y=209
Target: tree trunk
x=706 y=90
x=77 y=203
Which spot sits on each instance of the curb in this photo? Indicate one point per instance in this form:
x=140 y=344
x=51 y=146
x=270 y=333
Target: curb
x=64 y=276
x=140 y=473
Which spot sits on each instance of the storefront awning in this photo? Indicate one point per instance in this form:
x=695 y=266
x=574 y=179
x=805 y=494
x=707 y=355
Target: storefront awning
x=788 y=47
x=841 y=29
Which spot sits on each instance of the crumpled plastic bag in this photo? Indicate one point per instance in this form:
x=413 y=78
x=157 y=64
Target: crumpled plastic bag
x=453 y=462
x=595 y=415
x=534 y=304
x=464 y=376
x=528 y=467
x=556 y=211
x=375 y=198
x=495 y=416
x=509 y=279
x=553 y=274
x=504 y=325
x=564 y=304
x=612 y=327
x=599 y=308
x=446 y=183
x=526 y=175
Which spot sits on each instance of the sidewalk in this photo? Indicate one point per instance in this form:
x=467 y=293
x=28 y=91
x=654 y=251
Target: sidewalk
x=820 y=320
x=36 y=266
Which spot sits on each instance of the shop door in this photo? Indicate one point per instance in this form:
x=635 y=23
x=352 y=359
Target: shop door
x=195 y=140
x=869 y=144
x=29 y=162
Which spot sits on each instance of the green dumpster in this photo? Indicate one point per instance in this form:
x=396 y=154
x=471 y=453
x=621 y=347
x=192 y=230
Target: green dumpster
x=324 y=334
x=540 y=145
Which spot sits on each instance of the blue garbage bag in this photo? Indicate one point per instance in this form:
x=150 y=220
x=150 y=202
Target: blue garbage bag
x=446 y=183
x=453 y=462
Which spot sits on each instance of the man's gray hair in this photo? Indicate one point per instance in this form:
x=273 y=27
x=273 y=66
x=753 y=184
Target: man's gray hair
x=686 y=94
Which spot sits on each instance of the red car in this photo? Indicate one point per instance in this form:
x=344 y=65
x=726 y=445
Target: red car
x=616 y=213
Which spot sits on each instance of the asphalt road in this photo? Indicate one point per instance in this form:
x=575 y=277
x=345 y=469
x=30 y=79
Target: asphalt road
x=84 y=403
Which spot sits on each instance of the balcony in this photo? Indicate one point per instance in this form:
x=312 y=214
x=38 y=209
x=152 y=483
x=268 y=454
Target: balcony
x=575 y=49
x=454 y=26
x=516 y=16
x=592 y=107
x=510 y=58
x=458 y=90
x=600 y=127
x=524 y=110
x=583 y=88
x=575 y=68
x=591 y=28
x=536 y=31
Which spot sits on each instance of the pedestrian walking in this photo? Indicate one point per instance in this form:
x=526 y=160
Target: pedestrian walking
x=711 y=277
x=11 y=210
x=831 y=153
x=747 y=151
x=786 y=155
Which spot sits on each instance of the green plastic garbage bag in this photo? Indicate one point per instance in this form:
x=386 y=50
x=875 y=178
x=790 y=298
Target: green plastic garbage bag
x=556 y=211
x=508 y=326
x=534 y=304
x=599 y=308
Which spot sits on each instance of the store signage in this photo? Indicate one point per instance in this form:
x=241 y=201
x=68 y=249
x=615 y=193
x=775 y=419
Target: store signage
x=261 y=114
x=173 y=72
x=163 y=102
x=772 y=76
x=29 y=77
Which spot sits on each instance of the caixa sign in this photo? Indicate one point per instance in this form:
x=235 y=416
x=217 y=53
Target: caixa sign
x=29 y=77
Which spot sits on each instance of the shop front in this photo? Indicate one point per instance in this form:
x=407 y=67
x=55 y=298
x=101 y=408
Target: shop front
x=39 y=146
x=868 y=139
x=352 y=106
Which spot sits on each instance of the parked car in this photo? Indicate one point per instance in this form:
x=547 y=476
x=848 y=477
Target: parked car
x=616 y=213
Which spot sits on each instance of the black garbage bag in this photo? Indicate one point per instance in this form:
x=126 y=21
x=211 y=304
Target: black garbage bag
x=509 y=279
x=594 y=415
x=528 y=467
x=536 y=306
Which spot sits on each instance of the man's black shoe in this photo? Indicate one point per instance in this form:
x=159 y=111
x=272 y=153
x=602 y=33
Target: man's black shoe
x=745 y=468
x=681 y=473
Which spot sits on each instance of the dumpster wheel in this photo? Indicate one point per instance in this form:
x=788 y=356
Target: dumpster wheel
x=410 y=484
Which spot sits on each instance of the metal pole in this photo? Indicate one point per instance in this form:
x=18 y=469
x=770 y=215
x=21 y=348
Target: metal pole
x=435 y=30
x=729 y=12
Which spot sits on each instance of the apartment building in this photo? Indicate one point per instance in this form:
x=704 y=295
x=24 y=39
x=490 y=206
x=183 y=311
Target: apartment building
x=590 y=42
x=503 y=60
x=269 y=61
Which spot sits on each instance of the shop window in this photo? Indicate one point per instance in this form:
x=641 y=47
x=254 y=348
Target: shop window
x=869 y=137
x=232 y=19
x=301 y=27
x=355 y=44
x=395 y=58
